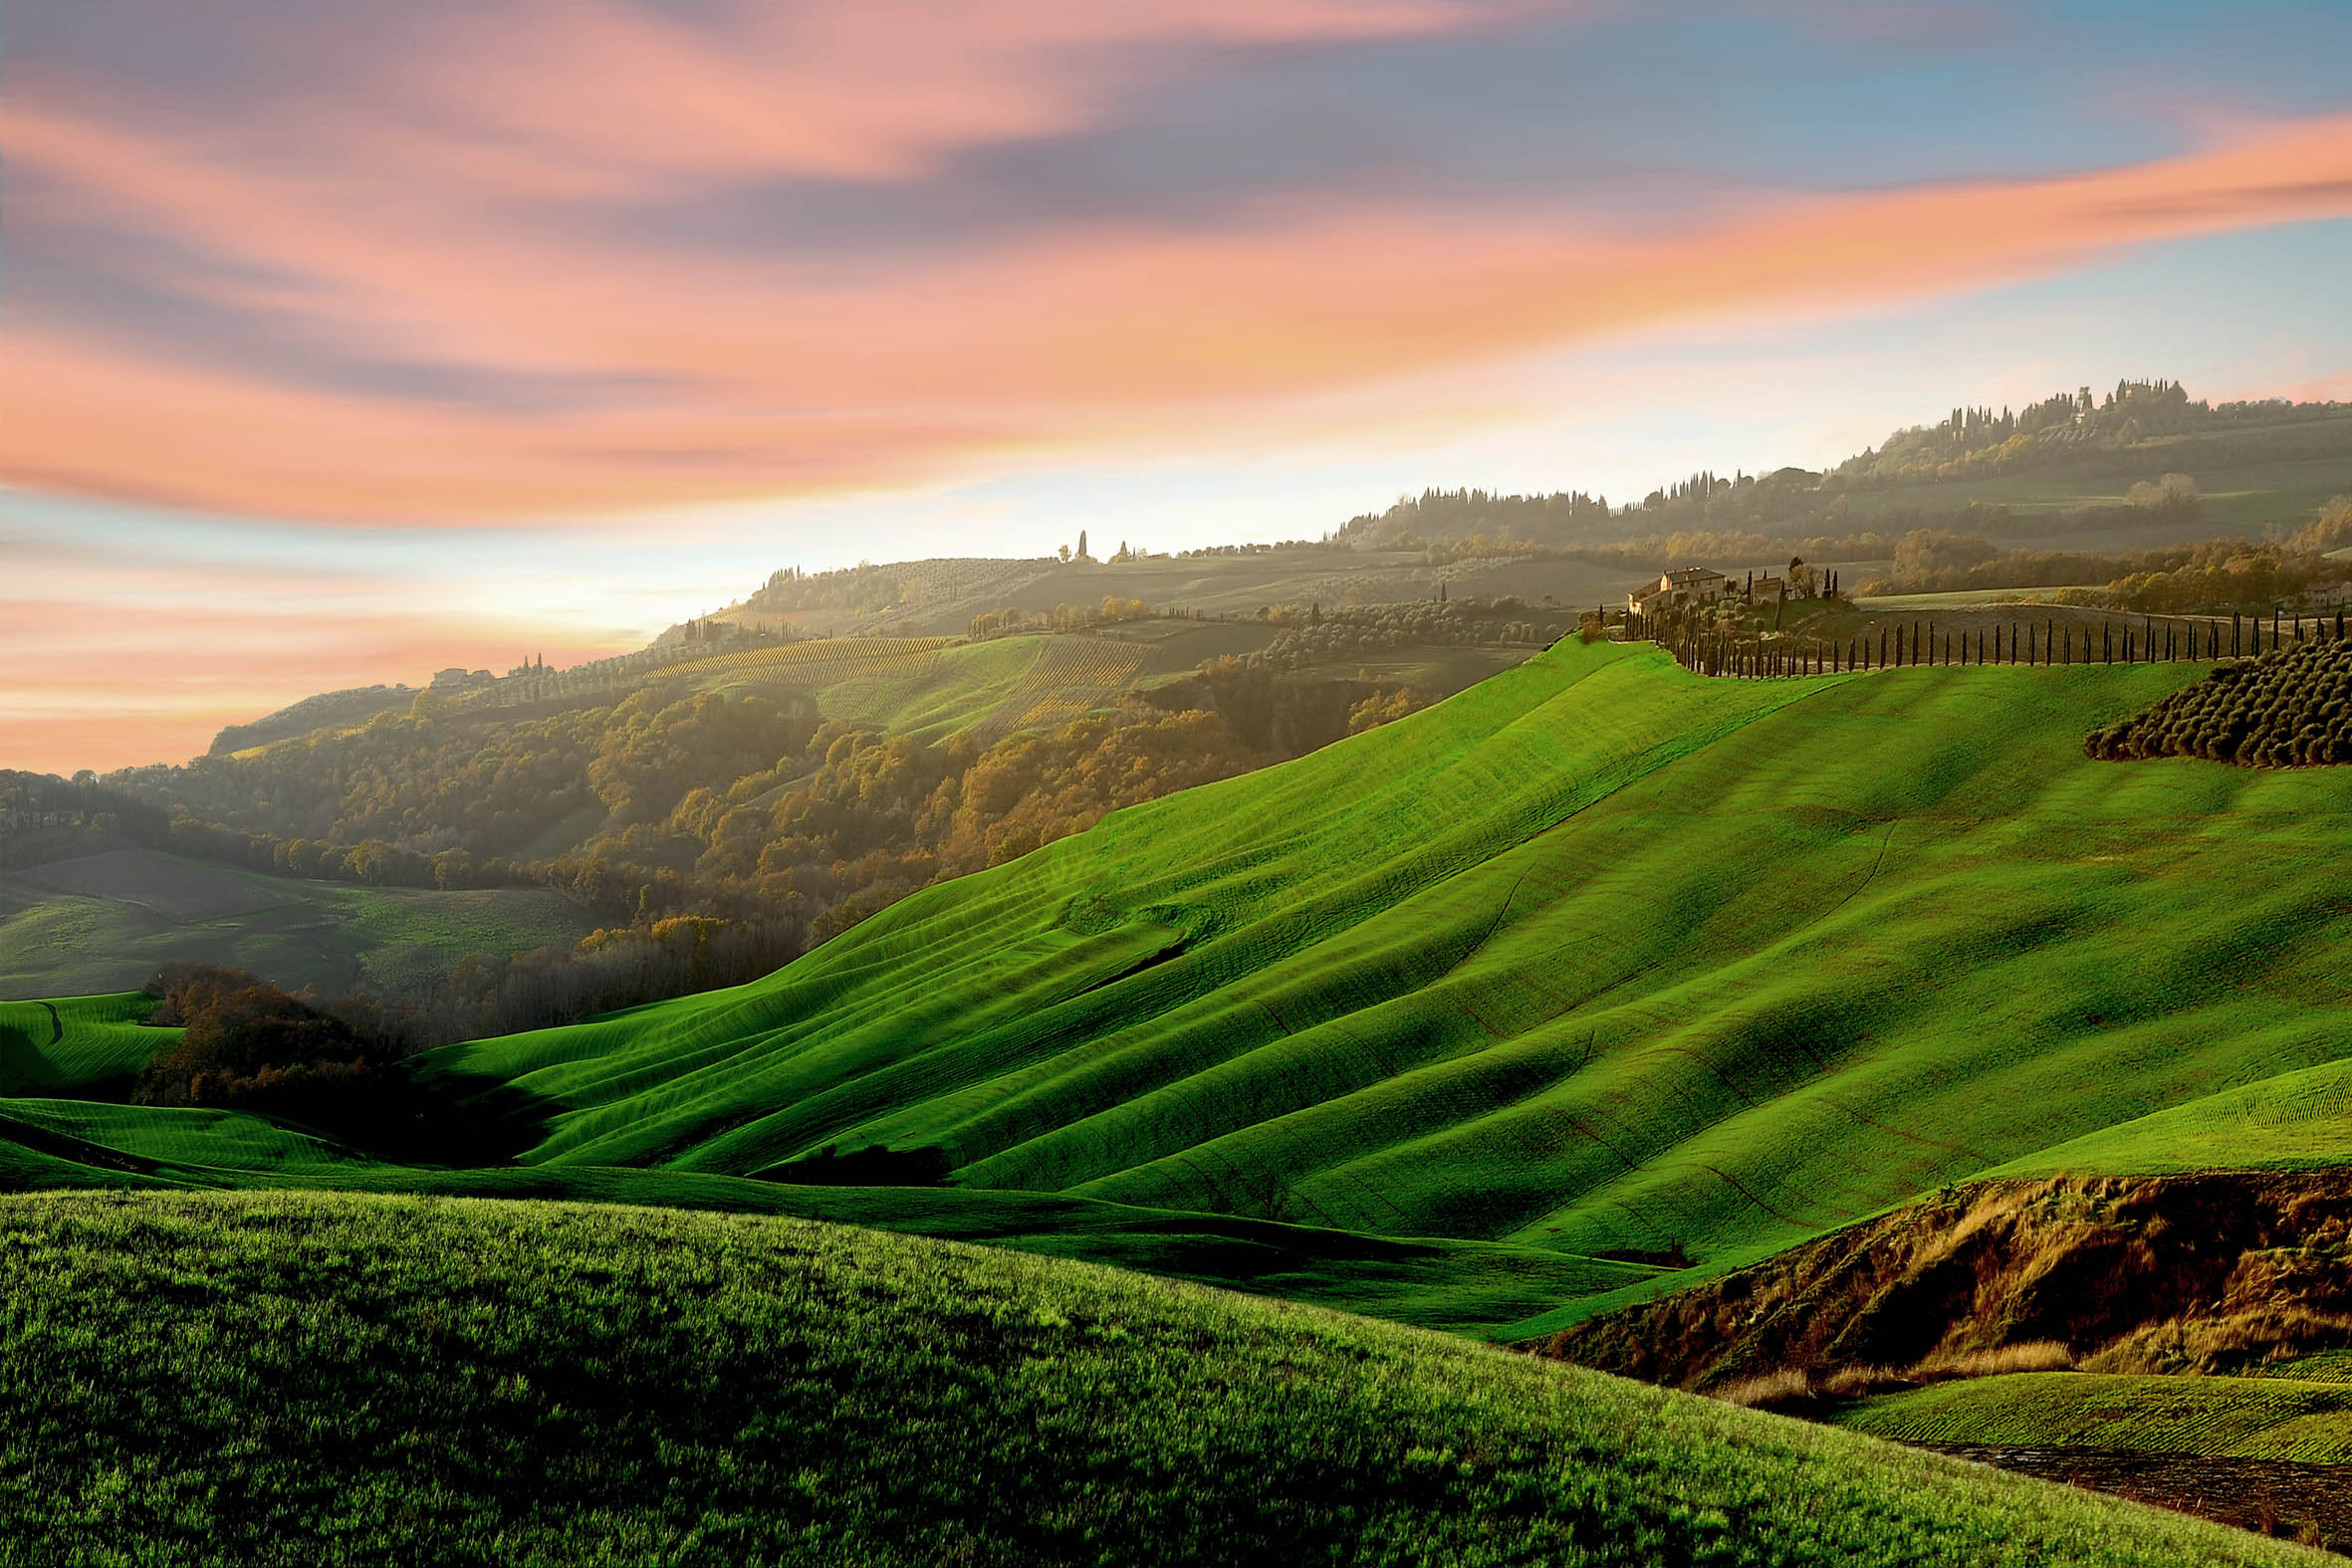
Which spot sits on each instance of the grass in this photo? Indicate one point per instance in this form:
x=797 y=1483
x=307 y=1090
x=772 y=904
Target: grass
x=1962 y=598
x=2297 y=1121
x=1440 y=1284
x=805 y=666
x=1070 y=677
x=957 y=689
x=2272 y=1417
x=108 y=922
x=361 y=1380
x=1595 y=956
x=74 y=1045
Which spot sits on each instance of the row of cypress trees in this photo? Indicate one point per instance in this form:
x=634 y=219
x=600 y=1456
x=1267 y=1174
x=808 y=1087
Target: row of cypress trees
x=1710 y=651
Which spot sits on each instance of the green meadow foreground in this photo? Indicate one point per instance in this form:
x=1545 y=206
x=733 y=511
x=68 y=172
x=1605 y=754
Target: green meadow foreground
x=1597 y=982
x=239 y=1379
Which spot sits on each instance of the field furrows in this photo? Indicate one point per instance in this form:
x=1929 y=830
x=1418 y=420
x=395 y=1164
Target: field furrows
x=819 y=662
x=1072 y=677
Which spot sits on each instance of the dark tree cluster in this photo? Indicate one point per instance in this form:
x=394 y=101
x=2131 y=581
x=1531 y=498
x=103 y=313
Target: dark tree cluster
x=248 y=1045
x=2288 y=709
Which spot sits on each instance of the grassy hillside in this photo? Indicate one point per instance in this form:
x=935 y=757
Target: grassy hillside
x=110 y=921
x=1596 y=960
x=1597 y=957
x=343 y=1380
x=74 y=1045
x=2219 y=1418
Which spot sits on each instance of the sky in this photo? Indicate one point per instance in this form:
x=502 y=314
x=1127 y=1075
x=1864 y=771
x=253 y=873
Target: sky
x=340 y=343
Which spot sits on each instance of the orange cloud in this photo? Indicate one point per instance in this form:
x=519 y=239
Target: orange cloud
x=641 y=372
x=92 y=686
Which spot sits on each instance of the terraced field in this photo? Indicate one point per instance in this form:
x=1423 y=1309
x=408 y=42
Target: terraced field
x=958 y=687
x=74 y=1044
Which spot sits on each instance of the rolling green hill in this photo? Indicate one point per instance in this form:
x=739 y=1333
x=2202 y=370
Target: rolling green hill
x=355 y=1380
x=1598 y=981
x=1598 y=957
x=1598 y=960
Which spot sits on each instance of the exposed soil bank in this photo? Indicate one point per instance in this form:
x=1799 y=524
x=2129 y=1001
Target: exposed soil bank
x=2162 y=1274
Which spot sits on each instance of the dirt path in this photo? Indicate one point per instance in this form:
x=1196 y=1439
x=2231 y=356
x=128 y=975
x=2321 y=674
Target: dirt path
x=57 y=1025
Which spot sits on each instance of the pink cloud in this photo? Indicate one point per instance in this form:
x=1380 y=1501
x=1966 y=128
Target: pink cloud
x=413 y=225
x=875 y=90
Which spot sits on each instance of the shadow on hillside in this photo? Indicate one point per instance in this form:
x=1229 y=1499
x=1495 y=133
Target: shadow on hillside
x=872 y=1166
x=455 y=1120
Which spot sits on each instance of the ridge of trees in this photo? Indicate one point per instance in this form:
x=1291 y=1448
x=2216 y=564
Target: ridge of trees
x=2136 y=426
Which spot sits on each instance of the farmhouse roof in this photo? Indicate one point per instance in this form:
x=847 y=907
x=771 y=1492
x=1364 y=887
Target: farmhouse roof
x=1691 y=575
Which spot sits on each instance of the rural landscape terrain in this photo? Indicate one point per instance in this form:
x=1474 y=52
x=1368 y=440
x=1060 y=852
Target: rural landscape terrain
x=1230 y=783
x=1906 y=999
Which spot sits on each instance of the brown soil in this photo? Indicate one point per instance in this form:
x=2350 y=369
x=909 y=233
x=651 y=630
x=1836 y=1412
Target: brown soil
x=2210 y=1272
x=2307 y=1502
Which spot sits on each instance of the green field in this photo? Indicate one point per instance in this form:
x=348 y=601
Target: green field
x=1597 y=958
x=2218 y=1418
x=355 y=1380
x=954 y=690
x=1594 y=981
x=74 y=1046
x=108 y=922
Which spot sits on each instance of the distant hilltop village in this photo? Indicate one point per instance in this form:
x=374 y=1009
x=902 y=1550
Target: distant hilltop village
x=1697 y=585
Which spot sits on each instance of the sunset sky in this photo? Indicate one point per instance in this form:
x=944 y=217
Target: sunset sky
x=346 y=342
